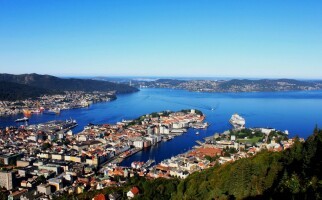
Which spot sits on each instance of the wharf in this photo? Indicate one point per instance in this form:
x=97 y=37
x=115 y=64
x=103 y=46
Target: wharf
x=118 y=158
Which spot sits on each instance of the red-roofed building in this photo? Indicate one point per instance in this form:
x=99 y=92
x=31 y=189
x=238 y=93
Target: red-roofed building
x=133 y=192
x=99 y=197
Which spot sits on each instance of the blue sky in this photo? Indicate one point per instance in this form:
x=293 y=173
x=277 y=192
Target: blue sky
x=258 y=38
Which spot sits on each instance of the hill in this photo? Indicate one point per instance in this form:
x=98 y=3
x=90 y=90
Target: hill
x=14 y=91
x=234 y=85
x=71 y=84
x=295 y=173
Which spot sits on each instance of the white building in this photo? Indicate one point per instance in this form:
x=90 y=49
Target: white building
x=138 y=143
x=44 y=189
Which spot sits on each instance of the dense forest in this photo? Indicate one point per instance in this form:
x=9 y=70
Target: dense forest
x=66 y=84
x=292 y=174
x=14 y=91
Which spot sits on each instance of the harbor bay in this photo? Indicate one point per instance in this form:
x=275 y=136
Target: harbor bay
x=296 y=112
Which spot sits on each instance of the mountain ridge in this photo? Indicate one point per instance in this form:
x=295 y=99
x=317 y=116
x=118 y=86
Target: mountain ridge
x=10 y=91
x=66 y=84
x=233 y=85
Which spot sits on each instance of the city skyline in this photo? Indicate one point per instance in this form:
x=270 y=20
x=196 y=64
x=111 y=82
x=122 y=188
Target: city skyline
x=250 y=39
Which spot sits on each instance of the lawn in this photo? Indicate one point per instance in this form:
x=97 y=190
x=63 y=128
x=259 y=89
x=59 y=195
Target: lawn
x=250 y=140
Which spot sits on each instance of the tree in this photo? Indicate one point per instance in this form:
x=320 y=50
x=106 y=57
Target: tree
x=316 y=129
x=41 y=179
x=45 y=146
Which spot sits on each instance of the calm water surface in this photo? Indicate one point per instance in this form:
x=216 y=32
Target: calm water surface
x=297 y=112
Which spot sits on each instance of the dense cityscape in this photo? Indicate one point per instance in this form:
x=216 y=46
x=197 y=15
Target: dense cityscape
x=48 y=161
x=53 y=104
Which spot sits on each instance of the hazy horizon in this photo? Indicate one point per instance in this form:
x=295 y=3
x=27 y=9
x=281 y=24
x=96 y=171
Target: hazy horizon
x=154 y=77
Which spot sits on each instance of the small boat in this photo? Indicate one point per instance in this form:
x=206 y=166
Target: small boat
x=197 y=133
x=22 y=119
x=37 y=111
x=55 y=111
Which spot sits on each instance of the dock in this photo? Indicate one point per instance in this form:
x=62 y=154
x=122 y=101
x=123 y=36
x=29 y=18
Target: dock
x=199 y=142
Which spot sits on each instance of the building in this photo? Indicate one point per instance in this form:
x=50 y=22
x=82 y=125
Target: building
x=52 y=167
x=133 y=192
x=44 y=189
x=9 y=159
x=139 y=143
x=22 y=163
x=99 y=197
x=6 y=180
x=17 y=194
x=56 y=182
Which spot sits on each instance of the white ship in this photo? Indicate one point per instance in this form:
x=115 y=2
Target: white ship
x=25 y=119
x=237 y=121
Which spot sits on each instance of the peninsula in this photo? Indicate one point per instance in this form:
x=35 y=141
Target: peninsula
x=234 y=85
x=47 y=158
x=35 y=93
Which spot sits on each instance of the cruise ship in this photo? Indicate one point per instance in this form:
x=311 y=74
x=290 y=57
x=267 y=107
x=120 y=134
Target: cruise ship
x=237 y=121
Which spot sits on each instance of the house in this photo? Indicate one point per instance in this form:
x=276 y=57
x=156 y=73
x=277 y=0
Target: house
x=133 y=192
x=17 y=194
x=114 y=196
x=44 y=189
x=7 y=180
x=99 y=197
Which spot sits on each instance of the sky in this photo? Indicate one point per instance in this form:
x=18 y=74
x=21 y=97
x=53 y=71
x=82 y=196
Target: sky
x=206 y=38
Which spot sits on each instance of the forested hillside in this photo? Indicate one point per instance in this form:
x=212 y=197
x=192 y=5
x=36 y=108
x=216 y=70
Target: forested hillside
x=293 y=173
x=15 y=91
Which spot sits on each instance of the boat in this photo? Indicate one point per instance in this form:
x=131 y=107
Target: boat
x=37 y=111
x=148 y=163
x=24 y=119
x=200 y=125
x=197 y=133
x=237 y=121
x=55 y=111
x=137 y=164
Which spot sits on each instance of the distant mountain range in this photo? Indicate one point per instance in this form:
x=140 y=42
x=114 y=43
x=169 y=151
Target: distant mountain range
x=31 y=85
x=235 y=85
